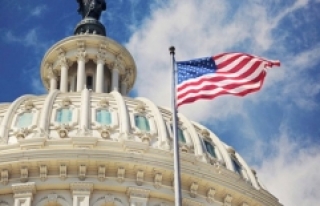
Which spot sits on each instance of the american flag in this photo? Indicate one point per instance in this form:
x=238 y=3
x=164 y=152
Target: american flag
x=227 y=73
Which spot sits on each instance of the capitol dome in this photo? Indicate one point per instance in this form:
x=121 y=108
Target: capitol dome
x=87 y=143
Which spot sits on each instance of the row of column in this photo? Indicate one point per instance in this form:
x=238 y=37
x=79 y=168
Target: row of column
x=81 y=192
x=81 y=75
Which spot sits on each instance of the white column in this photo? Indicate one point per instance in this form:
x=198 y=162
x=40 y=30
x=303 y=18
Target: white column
x=100 y=75
x=23 y=193
x=64 y=78
x=52 y=78
x=81 y=76
x=123 y=88
x=53 y=82
x=115 y=79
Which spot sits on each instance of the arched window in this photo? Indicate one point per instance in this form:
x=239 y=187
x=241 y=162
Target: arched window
x=237 y=166
x=24 y=119
x=103 y=116
x=181 y=136
x=210 y=148
x=64 y=115
x=142 y=123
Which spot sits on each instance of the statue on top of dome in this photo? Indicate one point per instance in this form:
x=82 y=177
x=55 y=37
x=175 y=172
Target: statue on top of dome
x=91 y=8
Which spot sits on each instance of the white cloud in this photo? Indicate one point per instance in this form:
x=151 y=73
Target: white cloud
x=202 y=28
x=292 y=174
x=30 y=39
x=38 y=10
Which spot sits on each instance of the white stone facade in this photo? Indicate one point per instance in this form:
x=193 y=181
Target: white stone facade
x=85 y=143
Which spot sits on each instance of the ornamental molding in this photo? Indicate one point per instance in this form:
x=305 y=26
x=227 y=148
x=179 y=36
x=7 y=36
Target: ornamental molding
x=121 y=174
x=158 y=180
x=210 y=195
x=62 y=59
x=23 y=132
x=24 y=174
x=227 y=200
x=140 y=177
x=65 y=103
x=43 y=172
x=24 y=188
x=103 y=104
x=189 y=202
x=4 y=176
x=82 y=172
x=81 y=187
x=140 y=108
x=134 y=192
x=194 y=189
x=102 y=173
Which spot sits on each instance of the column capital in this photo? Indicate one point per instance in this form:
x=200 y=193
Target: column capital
x=81 y=55
x=101 y=57
x=63 y=61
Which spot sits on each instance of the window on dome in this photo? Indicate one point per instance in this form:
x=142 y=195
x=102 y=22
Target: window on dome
x=24 y=119
x=103 y=116
x=210 y=148
x=181 y=136
x=142 y=123
x=64 y=115
x=237 y=167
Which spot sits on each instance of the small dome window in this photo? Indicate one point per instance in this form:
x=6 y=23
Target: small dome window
x=210 y=148
x=237 y=166
x=24 y=120
x=181 y=136
x=64 y=115
x=104 y=117
x=142 y=123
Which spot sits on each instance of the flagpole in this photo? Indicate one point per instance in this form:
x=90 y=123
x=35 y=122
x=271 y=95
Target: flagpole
x=177 y=179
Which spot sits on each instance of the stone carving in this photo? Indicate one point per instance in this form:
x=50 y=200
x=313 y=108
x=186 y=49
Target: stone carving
x=64 y=129
x=43 y=172
x=102 y=173
x=63 y=171
x=82 y=172
x=63 y=61
x=24 y=174
x=194 y=189
x=140 y=177
x=121 y=174
x=158 y=180
x=227 y=200
x=91 y=8
x=4 y=177
x=23 y=132
x=210 y=195
x=24 y=189
x=189 y=202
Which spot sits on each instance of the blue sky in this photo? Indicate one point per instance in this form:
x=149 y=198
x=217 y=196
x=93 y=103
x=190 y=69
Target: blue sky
x=277 y=130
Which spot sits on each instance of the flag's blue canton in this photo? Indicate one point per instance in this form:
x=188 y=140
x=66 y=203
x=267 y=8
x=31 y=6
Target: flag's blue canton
x=195 y=68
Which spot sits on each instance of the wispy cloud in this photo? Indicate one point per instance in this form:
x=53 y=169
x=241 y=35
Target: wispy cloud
x=38 y=10
x=30 y=39
x=201 y=28
x=293 y=171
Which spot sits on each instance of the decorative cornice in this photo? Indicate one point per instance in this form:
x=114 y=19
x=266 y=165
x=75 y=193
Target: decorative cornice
x=80 y=187
x=138 y=193
x=24 y=188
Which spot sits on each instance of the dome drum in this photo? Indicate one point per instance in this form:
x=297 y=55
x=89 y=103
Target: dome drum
x=125 y=142
x=90 y=61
